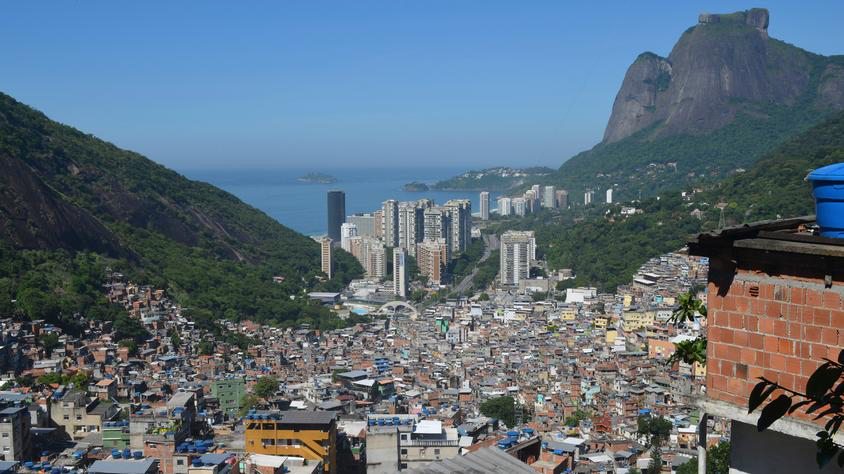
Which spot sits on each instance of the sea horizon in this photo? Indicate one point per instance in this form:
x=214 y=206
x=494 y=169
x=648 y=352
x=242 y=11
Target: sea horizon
x=302 y=206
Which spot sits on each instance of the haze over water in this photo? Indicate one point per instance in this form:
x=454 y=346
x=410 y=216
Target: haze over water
x=302 y=206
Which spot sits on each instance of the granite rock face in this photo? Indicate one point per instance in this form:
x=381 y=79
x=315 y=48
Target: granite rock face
x=717 y=69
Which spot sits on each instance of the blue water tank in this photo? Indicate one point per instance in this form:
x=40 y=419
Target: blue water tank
x=828 y=190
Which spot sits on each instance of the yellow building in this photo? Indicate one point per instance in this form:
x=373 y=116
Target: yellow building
x=612 y=334
x=568 y=314
x=628 y=300
x=601 y=323
x=307 y=434
x=636 y=320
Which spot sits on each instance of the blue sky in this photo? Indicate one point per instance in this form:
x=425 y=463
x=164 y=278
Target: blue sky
x=266 y=84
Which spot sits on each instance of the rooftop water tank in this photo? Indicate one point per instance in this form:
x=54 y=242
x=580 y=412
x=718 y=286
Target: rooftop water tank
x=828 y=190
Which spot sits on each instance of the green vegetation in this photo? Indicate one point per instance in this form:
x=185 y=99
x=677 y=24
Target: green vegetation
x=578 y=416
x=502 y=408
x=493 y=179
x=211 y=251
x=265 y=387
x=717 y=461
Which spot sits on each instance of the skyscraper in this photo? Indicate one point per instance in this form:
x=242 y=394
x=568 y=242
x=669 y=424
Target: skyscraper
x=504 y=206
x=562 y=199
x=411 y=218
x=518 y=249
x=432 y=257
x=366 y=224
x=399 y=272
x=588 y=197
x=336 y=213
x=327 y=254
x=438 y=226
x=484 y=205
x=520 y=206
x=390 y=223
x=347 y=231
x=549 y=198
x=609 y=196
x=460 y=214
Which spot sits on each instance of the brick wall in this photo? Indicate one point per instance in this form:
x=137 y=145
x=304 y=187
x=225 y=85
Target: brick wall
x=778 y=327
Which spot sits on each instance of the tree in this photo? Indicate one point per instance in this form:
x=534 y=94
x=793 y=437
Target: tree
x=655 y=466
x=129 y=344
x=577 y=417
x=693 y=350
x=483 y=297
x=49 y=342
x=718 y=458
x=175 y=339
x=205 y=348
x=265 y=387
x=823 y=397
x=502 y=408
x=655 y=429
x=688 y=467
x=249 y=402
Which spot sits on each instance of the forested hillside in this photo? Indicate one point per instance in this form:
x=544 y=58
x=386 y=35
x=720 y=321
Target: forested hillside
x=66 y=193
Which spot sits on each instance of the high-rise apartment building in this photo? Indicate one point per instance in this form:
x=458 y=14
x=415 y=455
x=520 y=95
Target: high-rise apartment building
x=411 y=219
x=609 y=196
x=432 y=257
x=460 y=214
x=366 y=224
x=518 y=249
x=336 y=213
x=400 y=272
x=347 y=231
x=520 y=206
x=390 y=222
x=484 y=205
x=588 y=197
x=505 y=206
x=531 y=199
x=562 y=199
x=549 y=197
x=371 y=254
x=437 y=225
x=327 y=253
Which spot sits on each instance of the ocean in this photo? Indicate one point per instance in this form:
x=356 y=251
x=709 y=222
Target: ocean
x=302 y=206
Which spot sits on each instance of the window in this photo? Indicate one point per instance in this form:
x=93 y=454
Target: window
x=78 y=417
x=180 y=462
x=404 y=451
x=66 y=417
x=436 y=451
x=403 y=465
x=5 y=435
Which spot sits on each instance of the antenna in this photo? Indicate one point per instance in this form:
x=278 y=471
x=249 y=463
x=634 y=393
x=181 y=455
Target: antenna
x=721 y=220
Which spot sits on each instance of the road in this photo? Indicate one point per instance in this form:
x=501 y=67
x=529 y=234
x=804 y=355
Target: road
x=490 y=244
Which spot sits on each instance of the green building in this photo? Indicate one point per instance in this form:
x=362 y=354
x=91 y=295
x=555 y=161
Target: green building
x=116 y=435
x=229 y=392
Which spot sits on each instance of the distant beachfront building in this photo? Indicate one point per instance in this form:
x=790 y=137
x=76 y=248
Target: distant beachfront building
x=520 y=206
x=366 y=224
x=347 y=231
x=336 y=213
x=400 y=272
x=327 y=253
x=562 y=199
x=504 y=206
x=460 y=214
x=518 y=249
x=390 y=222
x=411 y=224
x=549 y=198
x=484 y=205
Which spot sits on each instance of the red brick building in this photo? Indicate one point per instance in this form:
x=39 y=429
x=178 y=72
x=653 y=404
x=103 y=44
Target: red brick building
x=775 y=310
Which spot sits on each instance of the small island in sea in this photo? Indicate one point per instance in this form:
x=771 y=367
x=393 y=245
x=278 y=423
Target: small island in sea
x=317 y=178
x=416 y=187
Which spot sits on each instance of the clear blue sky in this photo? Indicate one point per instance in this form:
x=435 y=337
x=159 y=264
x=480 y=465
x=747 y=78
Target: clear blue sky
x=282 y=83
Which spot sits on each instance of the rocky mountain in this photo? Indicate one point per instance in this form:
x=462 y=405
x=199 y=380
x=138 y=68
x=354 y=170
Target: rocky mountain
x=726 y=95
x=65 y=191
x=725 y=65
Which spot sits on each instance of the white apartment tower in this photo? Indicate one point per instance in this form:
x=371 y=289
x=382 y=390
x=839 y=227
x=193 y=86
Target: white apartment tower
x=390 y=223
x=504 y=206
x=484 y=205
x=549 y=197
x=347 y=231
x=518 y=249
x=609 y=196
x=400 y=272
x=411 y=218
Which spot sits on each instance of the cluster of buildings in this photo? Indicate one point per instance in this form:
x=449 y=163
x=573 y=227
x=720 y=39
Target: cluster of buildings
x=432 y=234
x=548 y=197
